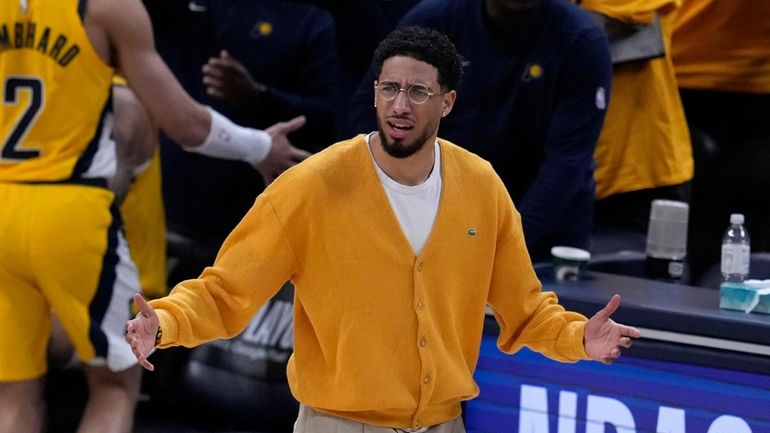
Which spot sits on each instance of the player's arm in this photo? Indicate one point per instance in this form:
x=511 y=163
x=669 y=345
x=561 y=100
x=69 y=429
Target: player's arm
x=135 y=138
x=127 y=27
x=129 y=32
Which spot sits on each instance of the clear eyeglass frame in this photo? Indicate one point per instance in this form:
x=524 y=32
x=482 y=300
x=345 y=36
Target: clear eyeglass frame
x=418 y=94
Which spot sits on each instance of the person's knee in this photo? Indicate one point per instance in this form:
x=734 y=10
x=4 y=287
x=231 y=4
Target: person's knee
x=127 y=382
x=22 y=407
x=27 y=391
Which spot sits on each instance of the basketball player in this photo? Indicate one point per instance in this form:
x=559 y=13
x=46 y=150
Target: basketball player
x=62 y=248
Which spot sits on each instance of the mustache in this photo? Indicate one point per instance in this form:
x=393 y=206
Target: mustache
x=400 y=117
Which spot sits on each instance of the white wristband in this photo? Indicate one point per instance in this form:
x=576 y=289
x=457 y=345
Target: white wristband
x=226 y=140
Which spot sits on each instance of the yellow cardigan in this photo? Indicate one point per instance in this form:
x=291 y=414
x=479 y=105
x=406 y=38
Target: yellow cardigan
x=381 y=336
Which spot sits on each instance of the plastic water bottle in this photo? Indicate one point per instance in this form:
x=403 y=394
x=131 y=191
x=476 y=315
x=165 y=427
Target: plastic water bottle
x=736 y=249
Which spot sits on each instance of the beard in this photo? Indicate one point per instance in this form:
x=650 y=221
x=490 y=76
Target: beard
x=400 y=148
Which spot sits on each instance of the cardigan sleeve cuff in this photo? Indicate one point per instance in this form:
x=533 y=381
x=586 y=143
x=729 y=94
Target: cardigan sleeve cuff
x=169 y=327
x=573 y=346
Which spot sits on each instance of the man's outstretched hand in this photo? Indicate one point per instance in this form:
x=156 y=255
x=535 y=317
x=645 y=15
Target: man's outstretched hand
x=604 y=338
x=282 y=155
x=141 y=332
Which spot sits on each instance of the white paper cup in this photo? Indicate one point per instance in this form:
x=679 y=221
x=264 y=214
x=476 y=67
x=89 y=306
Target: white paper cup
x=568 y=262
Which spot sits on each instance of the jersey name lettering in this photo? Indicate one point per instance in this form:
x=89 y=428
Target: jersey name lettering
x=26 y=35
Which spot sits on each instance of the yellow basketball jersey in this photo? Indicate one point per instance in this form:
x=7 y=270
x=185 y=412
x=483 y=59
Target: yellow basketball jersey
x=55 y=111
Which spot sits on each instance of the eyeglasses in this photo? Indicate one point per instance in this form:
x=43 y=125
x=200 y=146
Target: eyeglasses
x=417 y=93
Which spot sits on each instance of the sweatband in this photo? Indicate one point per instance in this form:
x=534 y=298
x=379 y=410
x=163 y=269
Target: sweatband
x=226 y=140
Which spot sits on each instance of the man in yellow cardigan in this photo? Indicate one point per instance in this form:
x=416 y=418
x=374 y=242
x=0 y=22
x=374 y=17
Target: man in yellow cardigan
x=396 y=242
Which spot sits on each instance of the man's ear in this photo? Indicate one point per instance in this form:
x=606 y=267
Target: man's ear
x=448 y=102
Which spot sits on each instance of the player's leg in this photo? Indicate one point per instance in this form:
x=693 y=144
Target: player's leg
x=22 y=408
x=92 y=300
x=112 y=400
x=25 y=316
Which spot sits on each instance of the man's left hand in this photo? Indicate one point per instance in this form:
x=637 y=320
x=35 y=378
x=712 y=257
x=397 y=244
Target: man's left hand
x=604 y=338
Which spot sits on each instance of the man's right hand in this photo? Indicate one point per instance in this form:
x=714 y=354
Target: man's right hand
x=282 y=154
x=141 y=332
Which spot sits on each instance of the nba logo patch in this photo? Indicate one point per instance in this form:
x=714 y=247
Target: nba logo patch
x=601 y=98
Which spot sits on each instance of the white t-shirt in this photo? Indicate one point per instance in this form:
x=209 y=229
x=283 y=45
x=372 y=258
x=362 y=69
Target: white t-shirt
x=415 y=206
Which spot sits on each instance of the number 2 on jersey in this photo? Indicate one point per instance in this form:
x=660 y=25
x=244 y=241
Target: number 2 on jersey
x=11 y=95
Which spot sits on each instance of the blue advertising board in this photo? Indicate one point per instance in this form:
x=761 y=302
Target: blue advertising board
x=528 y=393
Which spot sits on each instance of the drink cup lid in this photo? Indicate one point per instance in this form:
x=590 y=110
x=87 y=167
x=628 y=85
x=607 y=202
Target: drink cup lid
x=571 y=253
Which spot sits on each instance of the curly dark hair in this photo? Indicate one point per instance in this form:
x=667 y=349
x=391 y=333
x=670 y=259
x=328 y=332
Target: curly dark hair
x=424 y=44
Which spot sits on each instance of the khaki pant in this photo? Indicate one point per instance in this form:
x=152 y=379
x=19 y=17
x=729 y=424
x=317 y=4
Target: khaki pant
x=311 y=421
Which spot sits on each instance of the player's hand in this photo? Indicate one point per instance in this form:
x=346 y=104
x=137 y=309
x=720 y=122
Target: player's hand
x=282 y=154
x=604 y=338
x=141 y=331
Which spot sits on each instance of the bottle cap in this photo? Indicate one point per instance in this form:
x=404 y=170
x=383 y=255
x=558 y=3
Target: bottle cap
x=736 y=218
